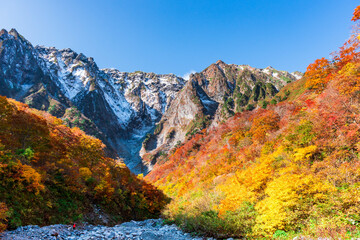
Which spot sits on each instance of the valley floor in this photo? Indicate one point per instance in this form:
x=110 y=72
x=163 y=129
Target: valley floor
x=140 y=230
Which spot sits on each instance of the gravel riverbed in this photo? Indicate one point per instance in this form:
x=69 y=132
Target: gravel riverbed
x=140 y=230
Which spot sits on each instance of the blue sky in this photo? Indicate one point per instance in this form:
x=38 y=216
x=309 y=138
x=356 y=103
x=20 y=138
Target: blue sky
x=171 y=36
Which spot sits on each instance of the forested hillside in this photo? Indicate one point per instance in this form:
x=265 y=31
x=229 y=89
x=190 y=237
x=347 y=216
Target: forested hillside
x=51 y=174
x=292 y=169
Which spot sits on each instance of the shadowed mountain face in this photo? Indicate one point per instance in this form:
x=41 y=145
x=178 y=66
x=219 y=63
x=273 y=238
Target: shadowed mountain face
x=134 y=114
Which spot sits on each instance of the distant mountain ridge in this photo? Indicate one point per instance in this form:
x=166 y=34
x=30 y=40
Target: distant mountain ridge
x=122 y=108
x=117 y=107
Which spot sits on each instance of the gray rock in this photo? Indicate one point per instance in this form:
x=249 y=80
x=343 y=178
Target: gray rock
x=149 y=236
x=131 y=224
x=135 y=230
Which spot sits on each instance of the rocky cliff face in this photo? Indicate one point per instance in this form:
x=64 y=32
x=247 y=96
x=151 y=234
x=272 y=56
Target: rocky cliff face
x=209 y=97
x=134 y=114
x=19 y=70
x=119 y=108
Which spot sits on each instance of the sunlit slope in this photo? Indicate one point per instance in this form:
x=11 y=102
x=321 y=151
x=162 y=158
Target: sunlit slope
x=288 y=170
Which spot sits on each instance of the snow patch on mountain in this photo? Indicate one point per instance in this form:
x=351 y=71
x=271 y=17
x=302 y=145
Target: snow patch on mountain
x=117 y=103
x=297 y=75
x=71 y=85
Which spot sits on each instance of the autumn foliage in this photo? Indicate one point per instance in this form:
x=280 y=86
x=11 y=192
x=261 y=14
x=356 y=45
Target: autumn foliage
x=51 y=174
x=290 y=170
x=356 y=14
x=318 y=74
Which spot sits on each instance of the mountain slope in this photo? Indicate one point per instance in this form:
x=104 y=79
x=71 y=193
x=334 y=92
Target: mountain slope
x=134 y=114
x=119 y=108
x=51 y=174
x=290 y=170
x=210 y=97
